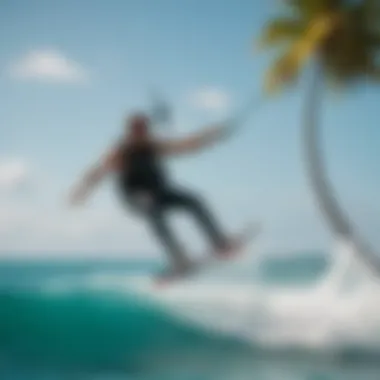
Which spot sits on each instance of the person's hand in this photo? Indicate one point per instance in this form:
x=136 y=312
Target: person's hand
x=77 y=197
x=225 y=130
x=216 y=133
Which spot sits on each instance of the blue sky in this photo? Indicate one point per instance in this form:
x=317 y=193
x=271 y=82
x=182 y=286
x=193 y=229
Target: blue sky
x=71 y=71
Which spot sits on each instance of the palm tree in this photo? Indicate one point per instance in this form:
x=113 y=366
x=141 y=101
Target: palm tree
x=341 y=39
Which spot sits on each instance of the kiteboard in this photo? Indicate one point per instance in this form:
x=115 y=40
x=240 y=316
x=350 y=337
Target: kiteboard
x=172 y=274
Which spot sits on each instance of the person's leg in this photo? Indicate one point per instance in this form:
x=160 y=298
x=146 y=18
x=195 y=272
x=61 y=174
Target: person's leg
x=153 y=209
x=197 y=207
x=157 y=219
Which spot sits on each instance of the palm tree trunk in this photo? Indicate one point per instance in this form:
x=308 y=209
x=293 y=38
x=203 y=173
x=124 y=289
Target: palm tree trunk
x=324 y=195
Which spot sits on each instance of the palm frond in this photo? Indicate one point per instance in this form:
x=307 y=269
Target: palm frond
x=345 y=34
x=352 y=50
x=281 y=73
x=374 y=40
x=308 y=9
x=371 y=9
x=374 y=72
x=281 y=30
x=287 y=67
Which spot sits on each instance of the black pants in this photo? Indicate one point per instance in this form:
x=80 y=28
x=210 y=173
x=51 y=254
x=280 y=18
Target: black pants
x=156 y=213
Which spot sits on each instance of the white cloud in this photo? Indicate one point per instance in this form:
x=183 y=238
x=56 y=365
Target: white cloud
x=210 y=98
x=48 y=65
x=13 y=173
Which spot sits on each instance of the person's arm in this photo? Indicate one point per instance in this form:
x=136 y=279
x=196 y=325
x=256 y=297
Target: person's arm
x=195 y=142
x=94 y=176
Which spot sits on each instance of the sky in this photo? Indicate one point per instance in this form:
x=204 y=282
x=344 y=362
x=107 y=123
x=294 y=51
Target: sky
x=70 y=72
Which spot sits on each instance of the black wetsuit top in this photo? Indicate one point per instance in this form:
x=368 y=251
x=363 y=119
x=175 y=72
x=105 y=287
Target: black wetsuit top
x=141 y=169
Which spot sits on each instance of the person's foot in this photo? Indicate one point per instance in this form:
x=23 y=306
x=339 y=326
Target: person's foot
x=182 y=265
x=230 y=248
x=178 y=269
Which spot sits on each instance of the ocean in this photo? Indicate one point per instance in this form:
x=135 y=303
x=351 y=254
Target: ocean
x=294 y=316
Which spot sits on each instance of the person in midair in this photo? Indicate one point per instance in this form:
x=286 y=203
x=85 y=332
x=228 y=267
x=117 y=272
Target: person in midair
x=144 y=185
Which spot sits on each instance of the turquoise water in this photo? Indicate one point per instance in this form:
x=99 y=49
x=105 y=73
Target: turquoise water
x=298 y=317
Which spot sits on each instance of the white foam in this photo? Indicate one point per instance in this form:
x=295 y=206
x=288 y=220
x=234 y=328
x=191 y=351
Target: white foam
x=341 y=309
